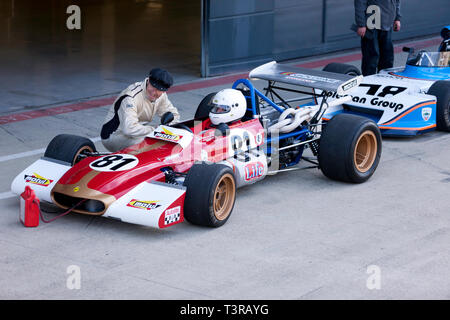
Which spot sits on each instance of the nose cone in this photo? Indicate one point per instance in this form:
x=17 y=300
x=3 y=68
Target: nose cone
x=84 y=181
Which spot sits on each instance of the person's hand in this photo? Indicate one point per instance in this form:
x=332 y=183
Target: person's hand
x=397 y=25
x=361 y=31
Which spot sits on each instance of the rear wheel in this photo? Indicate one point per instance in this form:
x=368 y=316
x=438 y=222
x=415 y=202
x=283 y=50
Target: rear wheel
x=350 y=148
x=69 y=148
x=342 y=68
x=441 y=90
x=210 y=194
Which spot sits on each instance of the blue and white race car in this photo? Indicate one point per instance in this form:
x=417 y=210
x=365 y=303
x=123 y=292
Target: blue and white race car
x=403 y=101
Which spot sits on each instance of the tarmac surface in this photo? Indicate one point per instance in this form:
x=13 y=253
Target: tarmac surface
x=295 y=235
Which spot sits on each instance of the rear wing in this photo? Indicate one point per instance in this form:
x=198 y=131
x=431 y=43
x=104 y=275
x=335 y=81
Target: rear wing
x=322 y=80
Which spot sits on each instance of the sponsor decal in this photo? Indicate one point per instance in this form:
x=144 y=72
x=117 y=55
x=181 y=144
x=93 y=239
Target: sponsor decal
x=331 y=94
x=37 y=179
x=253 y=171
x=307 y=77
x=349 y=85
x=386 y=104
x=167 y=135
x=147 y=205
x=76 y=189
x=426 y=113
x=172 y=215
x=377 y=102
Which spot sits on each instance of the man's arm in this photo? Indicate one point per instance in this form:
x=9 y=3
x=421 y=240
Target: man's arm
x=129 y=121
x=397 y=24
x=360 y=17
x=165 y=106
x=360 y=13
x=398 y=15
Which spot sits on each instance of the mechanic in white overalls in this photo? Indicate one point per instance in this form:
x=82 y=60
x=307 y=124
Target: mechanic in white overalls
x=125 y=123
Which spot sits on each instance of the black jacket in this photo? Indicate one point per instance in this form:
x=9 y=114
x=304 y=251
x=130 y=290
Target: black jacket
x=389 y=9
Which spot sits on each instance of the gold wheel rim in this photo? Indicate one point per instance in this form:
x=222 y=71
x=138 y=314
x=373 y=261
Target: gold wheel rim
x=365 y=151
x=85 y=148
x=224 y=197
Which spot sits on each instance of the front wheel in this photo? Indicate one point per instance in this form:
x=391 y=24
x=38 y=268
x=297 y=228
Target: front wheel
x=210 y=194
x=441 y=90
x=350 y=148
x=69 y=148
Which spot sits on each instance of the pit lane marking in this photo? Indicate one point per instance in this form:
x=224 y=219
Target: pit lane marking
x=31 y=153
x=7 y=195
x=21 y=155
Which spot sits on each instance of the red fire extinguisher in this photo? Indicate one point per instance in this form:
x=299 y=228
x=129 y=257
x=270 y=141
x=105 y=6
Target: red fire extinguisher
x=29 y=208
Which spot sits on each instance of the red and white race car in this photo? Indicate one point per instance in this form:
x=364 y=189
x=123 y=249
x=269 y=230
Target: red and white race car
x=192 y=169
x=146 y=183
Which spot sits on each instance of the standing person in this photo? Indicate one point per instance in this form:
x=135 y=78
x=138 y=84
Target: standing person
x=376 y=42
x=125 y=123
x=445 y=44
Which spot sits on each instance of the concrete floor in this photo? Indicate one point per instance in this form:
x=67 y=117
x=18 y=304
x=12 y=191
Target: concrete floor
x=295 y=235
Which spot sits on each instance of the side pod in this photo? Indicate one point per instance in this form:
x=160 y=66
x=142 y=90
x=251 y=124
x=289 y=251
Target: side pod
x=152 y=204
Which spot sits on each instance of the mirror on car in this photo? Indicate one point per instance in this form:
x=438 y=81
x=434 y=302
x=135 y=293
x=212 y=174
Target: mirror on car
x=167 y=118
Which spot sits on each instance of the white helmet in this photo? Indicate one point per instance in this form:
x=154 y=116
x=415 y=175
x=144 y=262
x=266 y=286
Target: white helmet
x=227 y=105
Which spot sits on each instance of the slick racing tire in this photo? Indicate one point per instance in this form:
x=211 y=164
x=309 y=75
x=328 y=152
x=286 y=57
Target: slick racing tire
x=350 y=148
x=441 y=90
x=204 y=107
x=68 y=148
x=210 y=194
x=342 y=68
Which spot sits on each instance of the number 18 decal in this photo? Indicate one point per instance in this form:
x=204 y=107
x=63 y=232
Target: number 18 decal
x=114 y=162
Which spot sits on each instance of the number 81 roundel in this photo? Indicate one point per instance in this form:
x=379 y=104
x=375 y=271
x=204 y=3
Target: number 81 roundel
x=114 y=162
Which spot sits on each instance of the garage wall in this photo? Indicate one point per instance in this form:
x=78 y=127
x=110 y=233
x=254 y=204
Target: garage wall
x=240 y=34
